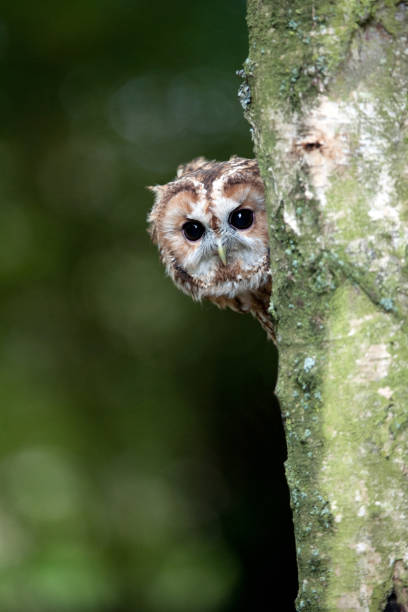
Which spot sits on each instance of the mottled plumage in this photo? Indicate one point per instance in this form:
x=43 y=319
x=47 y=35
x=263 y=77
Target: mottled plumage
x=211 y=229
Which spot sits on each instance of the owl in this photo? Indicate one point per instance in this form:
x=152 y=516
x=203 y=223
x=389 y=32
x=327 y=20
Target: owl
x=211 y=228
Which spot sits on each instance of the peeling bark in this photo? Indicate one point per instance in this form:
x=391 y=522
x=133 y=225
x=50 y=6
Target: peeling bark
x=326 y=93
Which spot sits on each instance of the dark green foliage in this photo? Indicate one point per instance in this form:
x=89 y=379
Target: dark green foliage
x=133 y=422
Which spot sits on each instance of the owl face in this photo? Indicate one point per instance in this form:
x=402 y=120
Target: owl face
x=211 y=228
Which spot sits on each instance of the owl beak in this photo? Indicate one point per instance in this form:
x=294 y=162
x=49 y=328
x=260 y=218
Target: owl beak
x=221 y=253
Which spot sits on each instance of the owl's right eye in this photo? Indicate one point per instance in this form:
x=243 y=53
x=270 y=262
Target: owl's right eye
x=193 y=230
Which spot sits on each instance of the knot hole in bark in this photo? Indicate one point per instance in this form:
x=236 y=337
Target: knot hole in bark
x=311 y=146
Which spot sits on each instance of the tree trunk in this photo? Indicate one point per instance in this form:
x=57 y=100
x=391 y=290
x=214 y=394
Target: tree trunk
x=326 y=94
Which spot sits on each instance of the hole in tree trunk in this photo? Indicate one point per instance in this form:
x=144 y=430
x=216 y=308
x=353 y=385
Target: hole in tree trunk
x=392 y=604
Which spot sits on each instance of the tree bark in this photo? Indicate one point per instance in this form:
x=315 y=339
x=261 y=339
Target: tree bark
x=326 y=93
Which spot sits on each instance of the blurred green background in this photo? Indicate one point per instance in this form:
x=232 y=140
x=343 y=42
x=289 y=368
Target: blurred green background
x=141 y=448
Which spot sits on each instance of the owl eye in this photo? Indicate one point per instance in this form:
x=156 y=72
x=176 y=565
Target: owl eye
x=193 y=230
x=241 y=218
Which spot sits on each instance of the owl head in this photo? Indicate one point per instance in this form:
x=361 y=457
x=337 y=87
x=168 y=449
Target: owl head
x=211 y=229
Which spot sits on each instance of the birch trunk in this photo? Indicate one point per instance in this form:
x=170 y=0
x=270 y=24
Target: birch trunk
x=325 y=91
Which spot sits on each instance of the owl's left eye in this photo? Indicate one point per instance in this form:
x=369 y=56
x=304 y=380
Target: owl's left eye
x=193 y=230
x=241 y=218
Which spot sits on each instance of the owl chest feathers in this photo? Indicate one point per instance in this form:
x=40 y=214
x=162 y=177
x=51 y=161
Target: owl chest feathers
x=255 y=302
x=216 y=281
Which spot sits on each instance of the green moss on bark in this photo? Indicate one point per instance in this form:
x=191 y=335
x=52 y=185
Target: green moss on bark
x=329 y=88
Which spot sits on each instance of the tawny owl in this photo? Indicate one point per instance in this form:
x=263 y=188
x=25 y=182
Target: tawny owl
x=211 y=229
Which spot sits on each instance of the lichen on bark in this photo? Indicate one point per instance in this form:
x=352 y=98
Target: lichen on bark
x=328 y=85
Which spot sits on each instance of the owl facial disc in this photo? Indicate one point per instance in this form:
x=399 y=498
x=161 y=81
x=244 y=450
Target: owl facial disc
x=211 y=228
